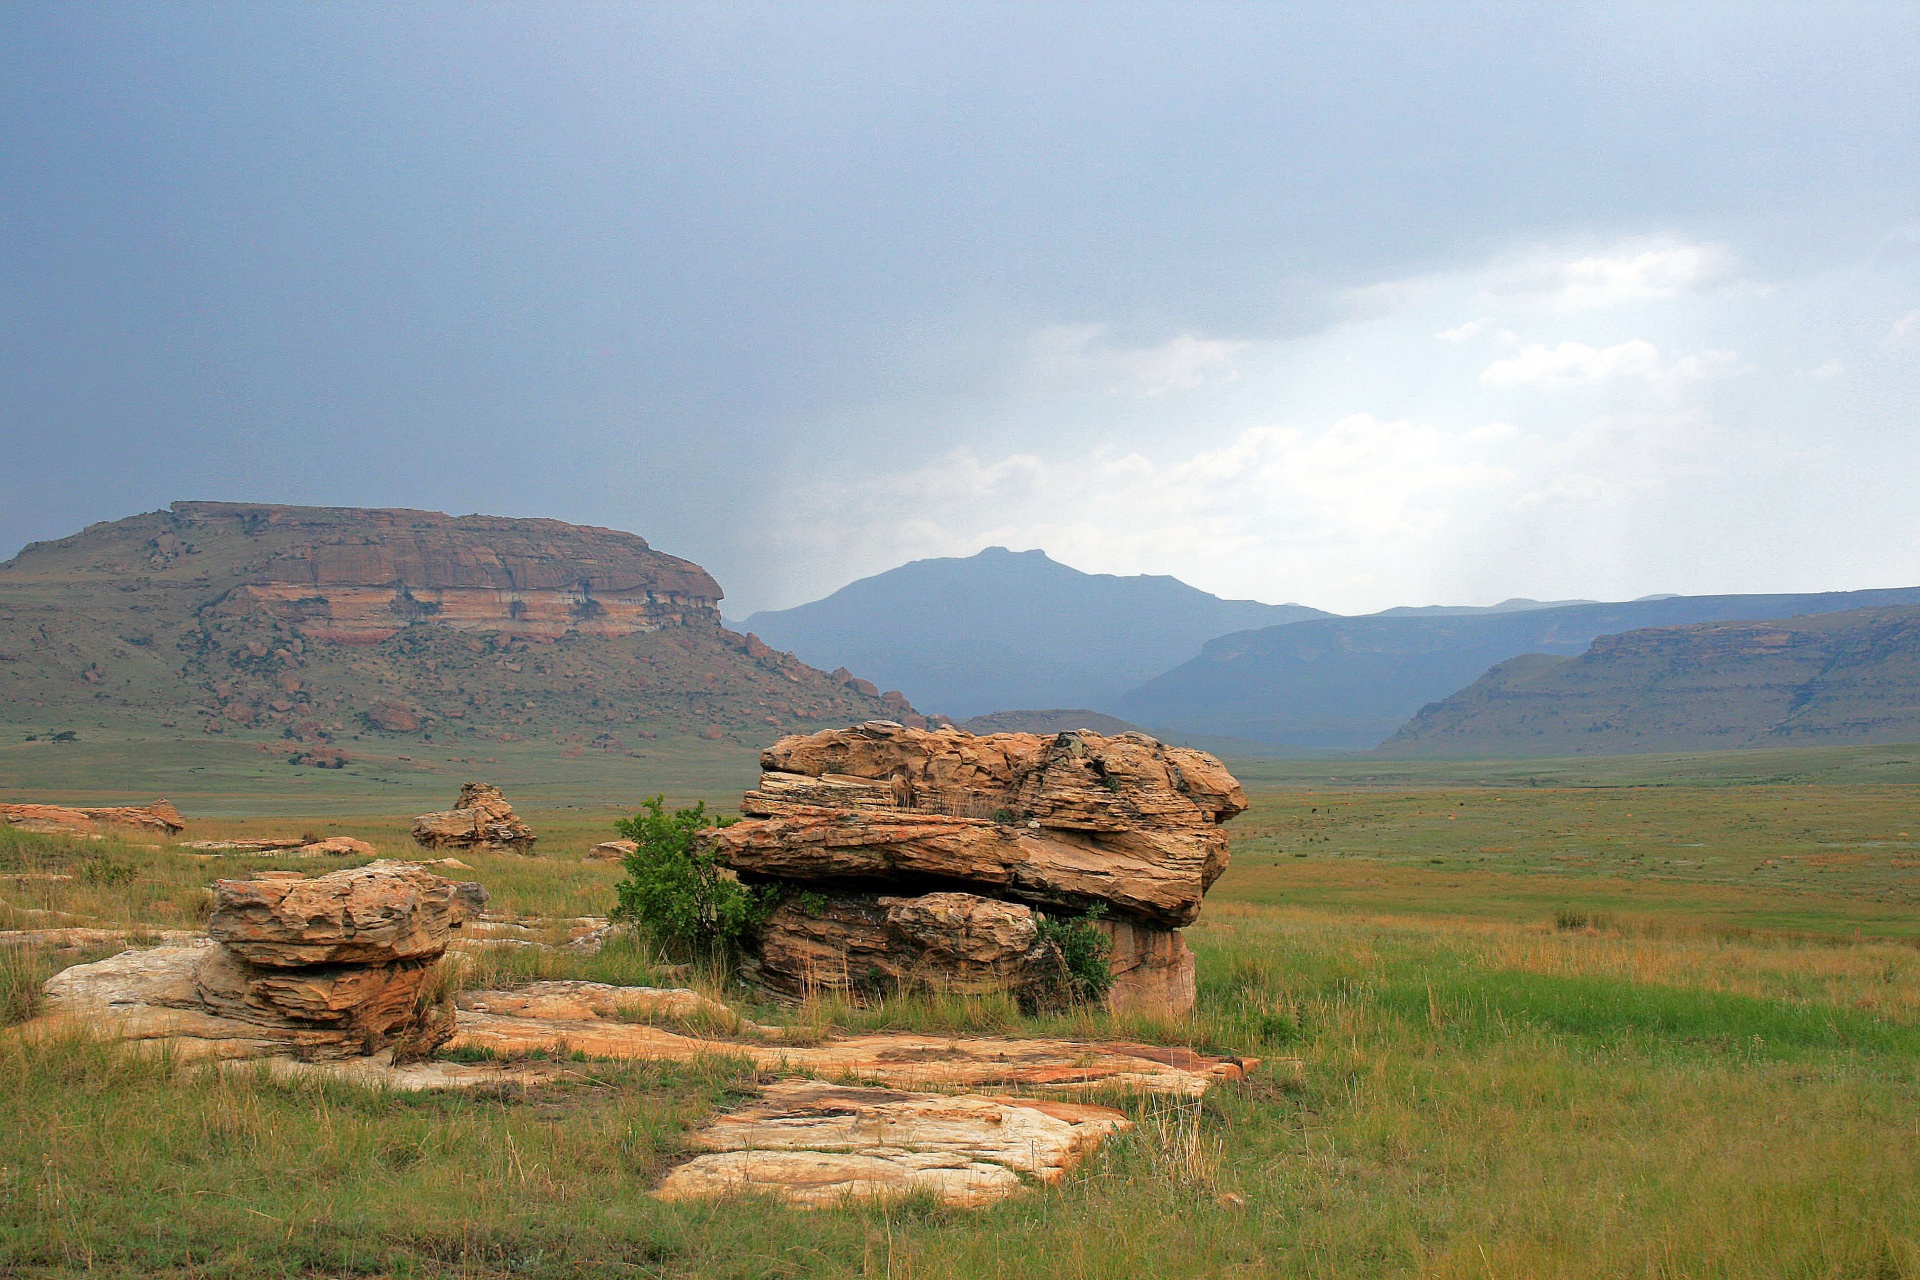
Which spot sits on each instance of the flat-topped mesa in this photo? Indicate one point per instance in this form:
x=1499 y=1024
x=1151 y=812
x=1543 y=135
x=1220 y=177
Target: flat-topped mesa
x=1064 y=822
x=358 y=576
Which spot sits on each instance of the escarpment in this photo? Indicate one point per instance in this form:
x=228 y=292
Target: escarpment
x=357 y=576
x=314 y=625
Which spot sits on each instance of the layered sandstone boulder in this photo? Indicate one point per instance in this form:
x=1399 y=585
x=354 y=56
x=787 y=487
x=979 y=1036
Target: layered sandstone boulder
x=334 y=967
x=881 y=832
x=481 y=819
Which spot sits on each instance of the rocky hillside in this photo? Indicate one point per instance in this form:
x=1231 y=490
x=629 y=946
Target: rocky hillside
x=1836 y=678
x=307 y=624
x=1011 y=629
x=1347 y=684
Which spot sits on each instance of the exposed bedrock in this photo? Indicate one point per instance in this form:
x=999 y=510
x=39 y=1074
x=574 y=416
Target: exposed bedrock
x=924 y=855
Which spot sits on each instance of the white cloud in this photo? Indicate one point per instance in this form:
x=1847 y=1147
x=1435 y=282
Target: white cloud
x=1624 y=275
x=1828 y=371
x=1906 y=326
x=1069 y=358
x=1464 y=332
x=1573 y=363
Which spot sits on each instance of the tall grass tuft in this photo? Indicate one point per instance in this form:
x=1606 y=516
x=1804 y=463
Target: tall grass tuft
x=22 y=971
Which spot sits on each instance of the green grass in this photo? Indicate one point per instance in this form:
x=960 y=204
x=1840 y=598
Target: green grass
x=1663 y=1031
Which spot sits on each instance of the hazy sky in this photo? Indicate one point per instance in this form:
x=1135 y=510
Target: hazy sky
x=1351 y=306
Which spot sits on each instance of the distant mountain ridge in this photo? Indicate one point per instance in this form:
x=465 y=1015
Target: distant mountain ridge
x=1849 y=677
x=1010 y=629
x=1348 y=684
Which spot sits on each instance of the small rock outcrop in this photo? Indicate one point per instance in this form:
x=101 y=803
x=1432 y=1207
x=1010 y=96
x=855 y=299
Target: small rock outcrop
x=481 y=819
x=158 y=818
x=611 y=851
x=916 y=856
x=337 y=966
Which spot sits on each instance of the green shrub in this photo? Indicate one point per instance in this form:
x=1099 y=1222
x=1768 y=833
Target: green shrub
x=677 y=889
x=1082 y=951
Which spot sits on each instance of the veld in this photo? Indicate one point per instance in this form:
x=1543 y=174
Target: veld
x=1666 y=1029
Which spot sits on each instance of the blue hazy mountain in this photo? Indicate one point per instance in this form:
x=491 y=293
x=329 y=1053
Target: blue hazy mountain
x=1828 y=678
x=1347 y=684
x=1005 y=630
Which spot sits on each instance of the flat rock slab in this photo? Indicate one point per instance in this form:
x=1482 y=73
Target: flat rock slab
x=820 y=1145
x=510 y=1024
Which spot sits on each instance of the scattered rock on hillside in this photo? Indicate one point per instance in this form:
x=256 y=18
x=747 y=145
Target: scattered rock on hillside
x=393 y=718
x=159 y=817
x=481 y=819
x=820 y=1145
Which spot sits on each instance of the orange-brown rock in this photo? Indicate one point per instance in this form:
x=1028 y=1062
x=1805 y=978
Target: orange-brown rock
x=369 y=1006
x=392 y=717
x=816 y=942
x=611 y=851
x=481 y=819
x=1075 y=781
x=508 y=1024
x=372 y=915
x=159 y=818
x=1152 y=968
x=1062 y=822
x=358 y=576
x=1066 y=821
x=1156 y=875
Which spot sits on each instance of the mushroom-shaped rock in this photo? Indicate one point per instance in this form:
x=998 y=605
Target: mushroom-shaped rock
x=372 y=915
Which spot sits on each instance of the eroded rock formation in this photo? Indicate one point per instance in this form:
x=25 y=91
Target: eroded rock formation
x=922 y=856
x=358 y=576
x=338 y=966
x=481 y=819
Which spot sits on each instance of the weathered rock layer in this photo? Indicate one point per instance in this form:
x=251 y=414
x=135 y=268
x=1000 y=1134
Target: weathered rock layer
x=917 y=856
x=338 y=966
x=480 y=819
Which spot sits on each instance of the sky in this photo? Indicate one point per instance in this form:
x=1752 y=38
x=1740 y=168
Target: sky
x=1350 y=305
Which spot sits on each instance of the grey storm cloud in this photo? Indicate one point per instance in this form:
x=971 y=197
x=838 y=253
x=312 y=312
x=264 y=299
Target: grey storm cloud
x=704 y=271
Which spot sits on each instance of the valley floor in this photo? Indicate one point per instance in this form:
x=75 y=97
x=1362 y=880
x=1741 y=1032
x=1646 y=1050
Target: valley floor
x=1659 y=1030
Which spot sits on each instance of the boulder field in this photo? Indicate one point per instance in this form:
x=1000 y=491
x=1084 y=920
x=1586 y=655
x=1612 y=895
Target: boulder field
x=932 y=857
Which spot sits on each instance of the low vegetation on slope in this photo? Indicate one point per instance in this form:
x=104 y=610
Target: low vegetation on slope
x=308 y=626
x=1843 y=677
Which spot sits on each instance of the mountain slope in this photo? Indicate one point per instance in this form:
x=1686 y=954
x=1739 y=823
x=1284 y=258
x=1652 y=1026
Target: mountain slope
x=1010 y=629
x=315 y=624
x=1836 y=678
x=1347 y=684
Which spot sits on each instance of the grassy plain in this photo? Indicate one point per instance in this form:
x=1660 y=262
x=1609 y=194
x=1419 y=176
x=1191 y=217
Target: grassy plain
x=1658 y=1024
